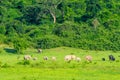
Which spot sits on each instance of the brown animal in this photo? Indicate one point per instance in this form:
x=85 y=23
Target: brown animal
x=88 y=58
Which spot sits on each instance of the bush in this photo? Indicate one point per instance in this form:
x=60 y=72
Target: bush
x=50 y=41
x=65 y=30
x=20 y=44
x=2 y=39
x=2 y=29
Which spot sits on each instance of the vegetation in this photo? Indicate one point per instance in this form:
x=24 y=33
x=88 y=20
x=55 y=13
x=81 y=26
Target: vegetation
x=83 y=27
x=13 y=66
x=85 y=24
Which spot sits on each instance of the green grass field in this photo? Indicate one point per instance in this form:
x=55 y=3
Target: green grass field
x=12 y=68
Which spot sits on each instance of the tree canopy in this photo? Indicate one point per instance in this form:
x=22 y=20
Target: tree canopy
x=85 y=24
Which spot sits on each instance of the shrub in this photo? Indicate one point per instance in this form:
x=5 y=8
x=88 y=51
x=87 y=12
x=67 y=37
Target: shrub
x=2 y=39
x=65 y=30
x=50 y=41
x=2 y=29
x=20 y=44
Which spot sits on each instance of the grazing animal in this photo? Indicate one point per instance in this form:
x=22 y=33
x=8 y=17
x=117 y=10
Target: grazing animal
x=78 y=59
x=53 y=58
x=73 y=57
x=27 y=57
x=69 y=58
x=88 y=58
x=45 y=58
x=111 y=58
x=39 y=50
x=103 y=59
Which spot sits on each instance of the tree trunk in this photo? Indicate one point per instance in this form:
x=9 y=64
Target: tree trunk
x=54 y=17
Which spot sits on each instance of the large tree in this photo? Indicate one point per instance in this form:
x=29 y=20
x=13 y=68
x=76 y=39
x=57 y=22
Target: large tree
x=50 y=7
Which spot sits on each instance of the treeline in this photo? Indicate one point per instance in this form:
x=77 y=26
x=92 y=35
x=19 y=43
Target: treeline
x=86 y=24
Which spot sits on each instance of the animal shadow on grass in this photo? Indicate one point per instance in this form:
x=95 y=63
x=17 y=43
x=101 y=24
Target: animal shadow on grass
x=12 y=51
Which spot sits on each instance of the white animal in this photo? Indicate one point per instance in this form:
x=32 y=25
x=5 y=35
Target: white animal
x=78 y=59
x=39 y=50
x=70 y=57
x=27 y=57
x=53 y=58
x=45 y=58
x=73 y=57
x=67 y=58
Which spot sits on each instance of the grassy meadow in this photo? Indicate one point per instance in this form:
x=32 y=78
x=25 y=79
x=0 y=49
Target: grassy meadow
x=13 y=67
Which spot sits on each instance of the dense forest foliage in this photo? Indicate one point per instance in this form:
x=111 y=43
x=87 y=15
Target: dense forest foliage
x=85 y=24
